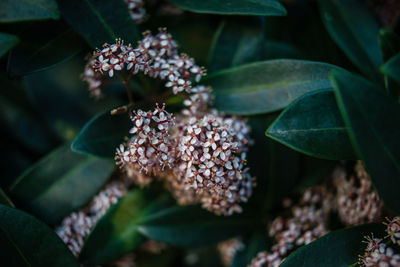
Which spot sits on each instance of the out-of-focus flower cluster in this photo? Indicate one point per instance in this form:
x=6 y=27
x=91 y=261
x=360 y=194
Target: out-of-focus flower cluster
x=155 y=55
x=74 y=228
x=307 y=222
x=356 y=200
x=228 y=249
x=378 y=252
x=136 y=10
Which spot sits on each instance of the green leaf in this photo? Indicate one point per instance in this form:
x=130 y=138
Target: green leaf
x=5 y=200
x=102 y=135
x=267 y=86
x=372 y=118
x=336 y=249
x=313 y=125
x=355 y=31
x=233 y=7
x=42 y=54
x=121 y=229
x=60 y=183
x=7 y=41
x=99 y=21
x=392 y=68
x=256 y=243
x=22 y=10
x=25 y=241
x=275 y=49
x=236 y=42
x=18 y=118
x=389 y=42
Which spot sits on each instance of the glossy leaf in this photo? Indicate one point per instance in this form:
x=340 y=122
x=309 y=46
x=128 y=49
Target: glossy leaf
x=22 y=10
x=236 y=42
x=392 y=68
x=233 y=7
x=42 y=54
x=122 y=228
x=372 y=117
x=336 y=249
x=313 y=125
x=25 y=241
x=267 y=86
x=389 y=42
x=5 y=200
x=60 y=183
x=275 y=50
x=7 y=41
x=252 y=245
x=355 y=30
x=99 y=21
x=102 y=135
x=19 y=117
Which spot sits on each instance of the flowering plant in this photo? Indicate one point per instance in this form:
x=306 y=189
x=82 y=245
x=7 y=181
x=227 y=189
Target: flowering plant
x=121 y=149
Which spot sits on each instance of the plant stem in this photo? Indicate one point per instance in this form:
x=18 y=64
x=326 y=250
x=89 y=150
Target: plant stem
x=126 y=83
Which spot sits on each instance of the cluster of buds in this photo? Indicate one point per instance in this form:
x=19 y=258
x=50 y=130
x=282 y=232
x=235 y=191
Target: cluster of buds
x=156 y=56
x=377 y=253
x=136 y=10
x=74 y=228
x=356 y=200
x=150 y=148
x=211 y=152
x=228 y=249
x=94 y=79
x=201 y=154
x=308 y=222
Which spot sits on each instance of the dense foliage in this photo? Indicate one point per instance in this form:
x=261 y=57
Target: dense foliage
x=120 y=149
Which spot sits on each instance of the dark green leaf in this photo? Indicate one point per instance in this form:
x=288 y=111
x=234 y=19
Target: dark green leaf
x=275 y=49
x=253 y=245
x=389 y=42
x=42 y=54
x=25 y=241
x=122 y=227
x=236 y=42
x=60 y=183
x=102 y=134
x=355 y=31
x=392 y=68
x=63 y=99
x=336 y=249
x=5 y=200
x=313 y=125
x=233 y=7
x=7 y=41
x=372 y=118
x=99 y=21
x=267 y=86
x=21 y=10
x=314 y=171
x=18 y=118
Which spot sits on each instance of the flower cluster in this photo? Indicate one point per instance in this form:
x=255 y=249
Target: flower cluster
x=136 y=10
x=93 y=78
x=377 y=253
x=228 y=249
x=156 y=56
x=200 y=154
x=74 y=229
x=393 y=229
x=211 y=153
x=150 y=149
x=356 y=199
x=308 y=222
